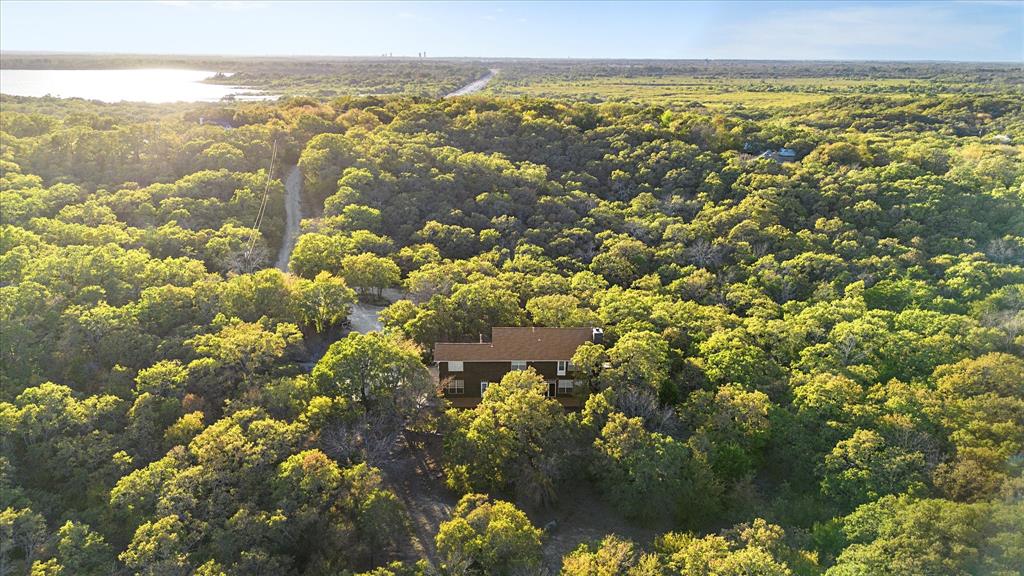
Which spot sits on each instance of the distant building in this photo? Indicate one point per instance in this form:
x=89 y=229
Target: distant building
x=214 y=122
x=781 y=155
x=465 y=370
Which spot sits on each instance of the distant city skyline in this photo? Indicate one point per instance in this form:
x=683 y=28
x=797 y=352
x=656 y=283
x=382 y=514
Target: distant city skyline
x=953 y=31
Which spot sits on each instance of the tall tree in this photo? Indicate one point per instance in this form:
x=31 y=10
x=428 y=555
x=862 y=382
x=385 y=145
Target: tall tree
x=515 y=441
x=488 y=536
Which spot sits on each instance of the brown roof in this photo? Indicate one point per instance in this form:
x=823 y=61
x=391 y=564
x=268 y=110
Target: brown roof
x=511 y=343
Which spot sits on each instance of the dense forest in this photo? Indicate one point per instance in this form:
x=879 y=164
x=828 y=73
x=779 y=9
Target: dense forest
x=809 y=367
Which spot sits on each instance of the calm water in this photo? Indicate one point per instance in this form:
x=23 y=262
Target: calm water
x=139 y=85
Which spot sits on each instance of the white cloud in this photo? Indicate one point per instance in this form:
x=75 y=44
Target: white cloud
x=236 y=4
x=214 y=4
x=1005 y=3
x=824 y=33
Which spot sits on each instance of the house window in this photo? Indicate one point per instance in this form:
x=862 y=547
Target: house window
x=483 y=387
x=565 y=387
x=455 y=387
x=519 y=364
x=562 y=367
x=455 y=366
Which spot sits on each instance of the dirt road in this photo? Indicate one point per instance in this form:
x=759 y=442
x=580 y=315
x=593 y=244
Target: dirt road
x=366 y=317
x=475 y=86
x=293 y=216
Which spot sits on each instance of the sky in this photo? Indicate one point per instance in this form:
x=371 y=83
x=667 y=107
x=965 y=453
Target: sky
x=975 y=30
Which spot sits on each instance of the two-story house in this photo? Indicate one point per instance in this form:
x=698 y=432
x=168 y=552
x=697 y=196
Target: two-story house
x=466 y=369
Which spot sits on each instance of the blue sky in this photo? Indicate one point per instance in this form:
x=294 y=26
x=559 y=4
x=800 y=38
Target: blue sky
x=967 y=31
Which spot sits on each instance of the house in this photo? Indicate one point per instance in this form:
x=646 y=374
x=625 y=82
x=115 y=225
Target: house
x=466 y=369
x=214 y=122
x=781 y=155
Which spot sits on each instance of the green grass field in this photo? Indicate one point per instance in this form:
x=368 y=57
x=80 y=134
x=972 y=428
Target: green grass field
x=714 y=92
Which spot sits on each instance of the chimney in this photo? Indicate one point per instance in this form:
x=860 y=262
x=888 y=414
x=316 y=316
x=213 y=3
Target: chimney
x=597 y=336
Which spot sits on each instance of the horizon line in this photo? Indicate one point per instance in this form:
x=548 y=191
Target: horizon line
x=486 y=58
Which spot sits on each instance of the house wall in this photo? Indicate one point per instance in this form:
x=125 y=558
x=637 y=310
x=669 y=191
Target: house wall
x=476 y=372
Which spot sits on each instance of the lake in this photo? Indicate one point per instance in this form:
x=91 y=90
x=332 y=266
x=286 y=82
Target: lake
x=156 y=85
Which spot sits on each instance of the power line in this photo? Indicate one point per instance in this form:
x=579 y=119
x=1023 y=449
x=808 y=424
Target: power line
x=254 y=235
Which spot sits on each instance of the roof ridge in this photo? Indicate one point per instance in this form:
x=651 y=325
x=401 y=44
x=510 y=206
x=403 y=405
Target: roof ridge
x=537 y=343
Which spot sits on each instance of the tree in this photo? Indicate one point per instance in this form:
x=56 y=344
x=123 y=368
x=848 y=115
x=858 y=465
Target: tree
x=367 y=271
x=324 y=301
x=240 y=350
x=514 y=441
x=559 y=310
x=756 y=548
x=488 y=536
x=60 y=442
x=649 y=475
x=589 y=360
x=309 y=487
x=322 y=162
x=639 y=359
x=829 y=399
x=380 y=518
x=622 y=261
x=731 y=426
x=839 y=153
x=864 y=467
x=791 y=338
x=315 y=253
x=22 y=538
x=379 y=371
x=253 y=296
x=80 y=550
x=729 y=357
x=612 y=556
x=166 y=378
x=359 y=217
x=479 y=306
x=980 y=402
x=160 y=548
x=453 y=241
x=903 y=535
x=222 y=155
x=184 y=429
x=135 y=496
x=307 y=483
x=149 y=416
x=383 y=385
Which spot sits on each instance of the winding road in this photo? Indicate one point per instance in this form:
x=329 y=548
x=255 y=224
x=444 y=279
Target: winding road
x=293 y=208
x=293 y=216
x=474 y=86
x=364 y=317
